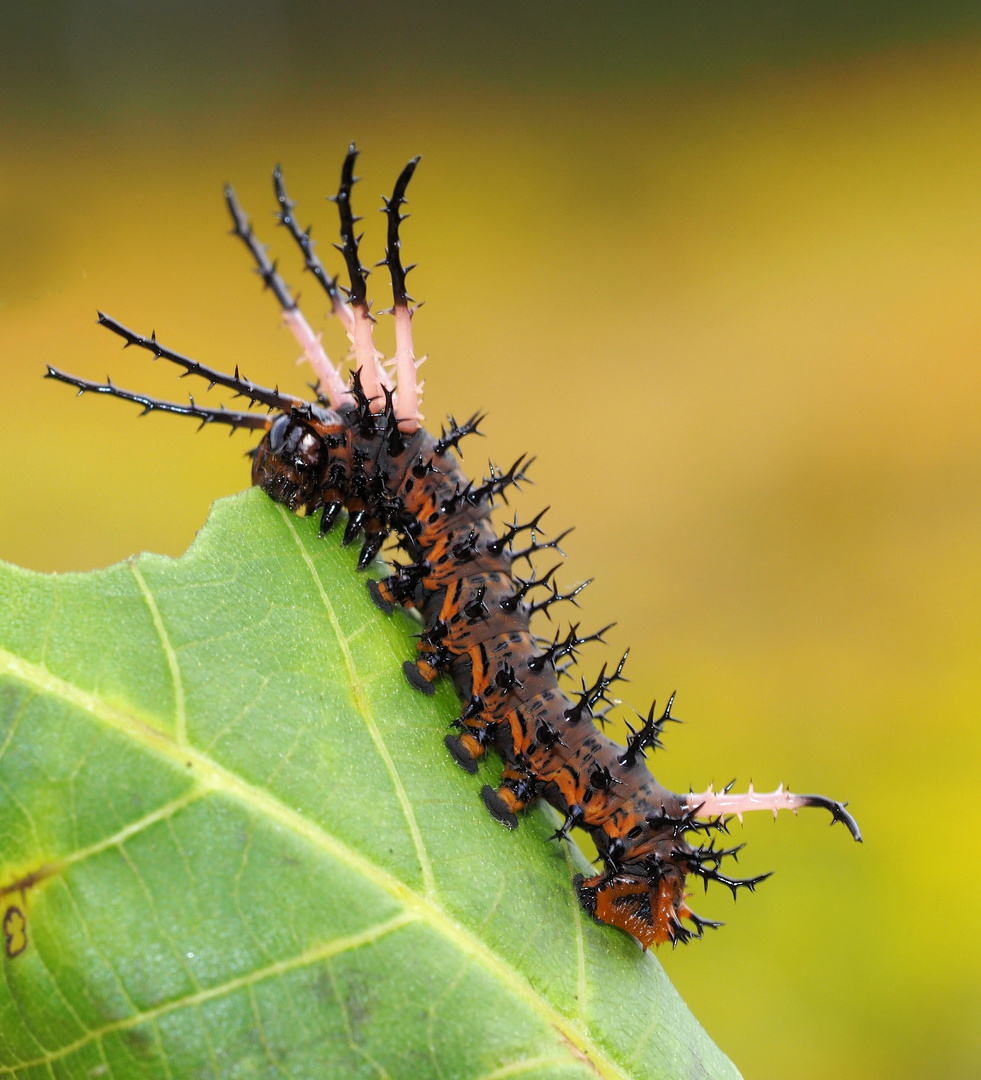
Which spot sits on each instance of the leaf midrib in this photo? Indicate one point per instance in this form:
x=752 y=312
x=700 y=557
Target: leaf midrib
x=215 y=777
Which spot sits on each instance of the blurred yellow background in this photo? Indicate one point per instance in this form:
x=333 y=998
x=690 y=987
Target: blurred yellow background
x=718 y=269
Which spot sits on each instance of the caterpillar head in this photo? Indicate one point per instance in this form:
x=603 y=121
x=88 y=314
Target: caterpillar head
x=290 y=462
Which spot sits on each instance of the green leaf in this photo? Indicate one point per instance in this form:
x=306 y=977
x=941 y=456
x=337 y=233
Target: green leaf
x=232 y=844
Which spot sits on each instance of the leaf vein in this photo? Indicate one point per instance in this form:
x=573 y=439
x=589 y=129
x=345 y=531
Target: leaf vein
x=20 y=1013
x=582 y=988
x=59 y=865
x=219 y=778
x=376 y=737
x=517 y=1068
x=14 y=724
x=264 y=1039
x=243 y=982
x=180 y=711
x=96 y=948
x=155 y=915
x=346 y=1020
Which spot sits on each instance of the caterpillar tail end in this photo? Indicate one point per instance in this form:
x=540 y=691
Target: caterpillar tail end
x=716 y=804
x=837 y=811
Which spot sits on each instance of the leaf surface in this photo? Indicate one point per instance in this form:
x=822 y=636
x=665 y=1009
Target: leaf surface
x=232 y=844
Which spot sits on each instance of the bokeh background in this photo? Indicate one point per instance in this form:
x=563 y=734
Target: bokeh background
x=719 y=266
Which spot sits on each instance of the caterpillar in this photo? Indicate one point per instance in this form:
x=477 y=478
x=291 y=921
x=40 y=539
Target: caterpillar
x=359 y=448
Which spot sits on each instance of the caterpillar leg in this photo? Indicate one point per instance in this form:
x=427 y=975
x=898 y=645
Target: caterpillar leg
x=514 y=794
x=381 y=596
x=433 y=658
x=465 y=749
x=422 y=673
x=398 y=588
x=501 y=805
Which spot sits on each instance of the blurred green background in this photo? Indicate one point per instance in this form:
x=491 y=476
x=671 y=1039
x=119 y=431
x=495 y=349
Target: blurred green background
x=719 y=266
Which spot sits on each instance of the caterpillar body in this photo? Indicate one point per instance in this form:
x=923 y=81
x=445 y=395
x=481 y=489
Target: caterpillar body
x=359 y=448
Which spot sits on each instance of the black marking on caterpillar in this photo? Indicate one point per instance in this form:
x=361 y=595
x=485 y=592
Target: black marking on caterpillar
x=359 y=447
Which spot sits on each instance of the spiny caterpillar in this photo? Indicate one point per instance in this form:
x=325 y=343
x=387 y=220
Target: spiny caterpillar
x=359 y=449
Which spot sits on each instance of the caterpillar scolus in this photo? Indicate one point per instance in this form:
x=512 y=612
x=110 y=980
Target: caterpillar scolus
x=359 y=448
